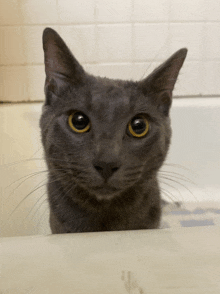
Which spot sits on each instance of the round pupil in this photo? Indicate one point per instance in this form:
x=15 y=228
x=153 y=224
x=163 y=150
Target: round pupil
x=138 y=125
x=80 y=121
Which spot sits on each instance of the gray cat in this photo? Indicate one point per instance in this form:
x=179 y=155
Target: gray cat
x=104 y=142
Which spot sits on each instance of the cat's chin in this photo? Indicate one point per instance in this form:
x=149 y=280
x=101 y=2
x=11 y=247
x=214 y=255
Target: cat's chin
x=105 y=192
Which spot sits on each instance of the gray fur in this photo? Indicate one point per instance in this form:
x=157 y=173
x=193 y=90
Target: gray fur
x=81 y=198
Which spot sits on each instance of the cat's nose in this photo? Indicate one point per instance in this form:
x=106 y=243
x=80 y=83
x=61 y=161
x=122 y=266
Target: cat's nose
x=106 y=169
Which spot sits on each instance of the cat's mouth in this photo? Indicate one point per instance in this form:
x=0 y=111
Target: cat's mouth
x=105 y=192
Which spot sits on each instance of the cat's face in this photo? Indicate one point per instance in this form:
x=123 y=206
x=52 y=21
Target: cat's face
x=104 y=135
x=108 y=157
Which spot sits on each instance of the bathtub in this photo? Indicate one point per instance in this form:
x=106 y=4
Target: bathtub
x=191 y=172
x=185 y=261
x=173 y=261
x=195 y=149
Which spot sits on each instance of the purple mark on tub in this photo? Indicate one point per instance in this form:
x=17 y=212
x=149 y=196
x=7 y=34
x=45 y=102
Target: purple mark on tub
x=180 y=212
x=198 y=211
x=197 y=223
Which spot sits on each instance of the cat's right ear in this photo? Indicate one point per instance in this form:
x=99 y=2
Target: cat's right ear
x=60 y=65
x=162 y=80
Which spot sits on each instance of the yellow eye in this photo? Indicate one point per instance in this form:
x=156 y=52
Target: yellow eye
x=79 y=122
x=138 y=126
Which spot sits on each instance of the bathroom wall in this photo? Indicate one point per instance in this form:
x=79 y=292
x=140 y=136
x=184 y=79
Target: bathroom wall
x=119 y=39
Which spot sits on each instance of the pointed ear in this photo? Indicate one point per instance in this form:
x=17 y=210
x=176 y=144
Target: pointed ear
x=162 y=80
x=60 y=64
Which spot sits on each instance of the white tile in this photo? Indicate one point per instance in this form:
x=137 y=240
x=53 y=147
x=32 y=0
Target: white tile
x=187 y=10
x=212 y=41
x=82 y=11
x=188 y=35
x=212 y=10
x=113 y=11
x=121 y=71
x=157 y=10
x=92 y=69
x=182 y=87
x=190 y=79
x=11 y=45
x=151 y=42
x=38 y=12
x=9 y=12
x=14 y=83
x=36 y=80
x=33 y=48
x=142 y=69
x=81 y=41
x=211 y=77
x=114 y=43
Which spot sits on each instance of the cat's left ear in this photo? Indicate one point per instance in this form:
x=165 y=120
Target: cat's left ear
x=160 y=83
x=61 y=66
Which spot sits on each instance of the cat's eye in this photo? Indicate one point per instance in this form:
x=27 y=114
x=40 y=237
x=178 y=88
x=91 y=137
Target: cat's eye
x=79 y=122
x=138 y=126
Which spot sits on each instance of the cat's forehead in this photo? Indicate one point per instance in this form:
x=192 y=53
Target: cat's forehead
x=110 y=97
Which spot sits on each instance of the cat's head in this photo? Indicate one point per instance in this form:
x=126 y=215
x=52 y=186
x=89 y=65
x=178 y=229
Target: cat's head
x=104 y=135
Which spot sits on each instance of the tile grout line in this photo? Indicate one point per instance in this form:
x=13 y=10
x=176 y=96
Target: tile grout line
x=109 y=23
x=117 y=62
x=132 y=38
x=96 y=30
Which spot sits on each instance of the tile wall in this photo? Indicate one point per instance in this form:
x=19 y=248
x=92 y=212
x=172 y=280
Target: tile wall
x=118 y=39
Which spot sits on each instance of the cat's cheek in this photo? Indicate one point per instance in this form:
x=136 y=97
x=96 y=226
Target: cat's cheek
x=141 y=148
x=165 y=138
